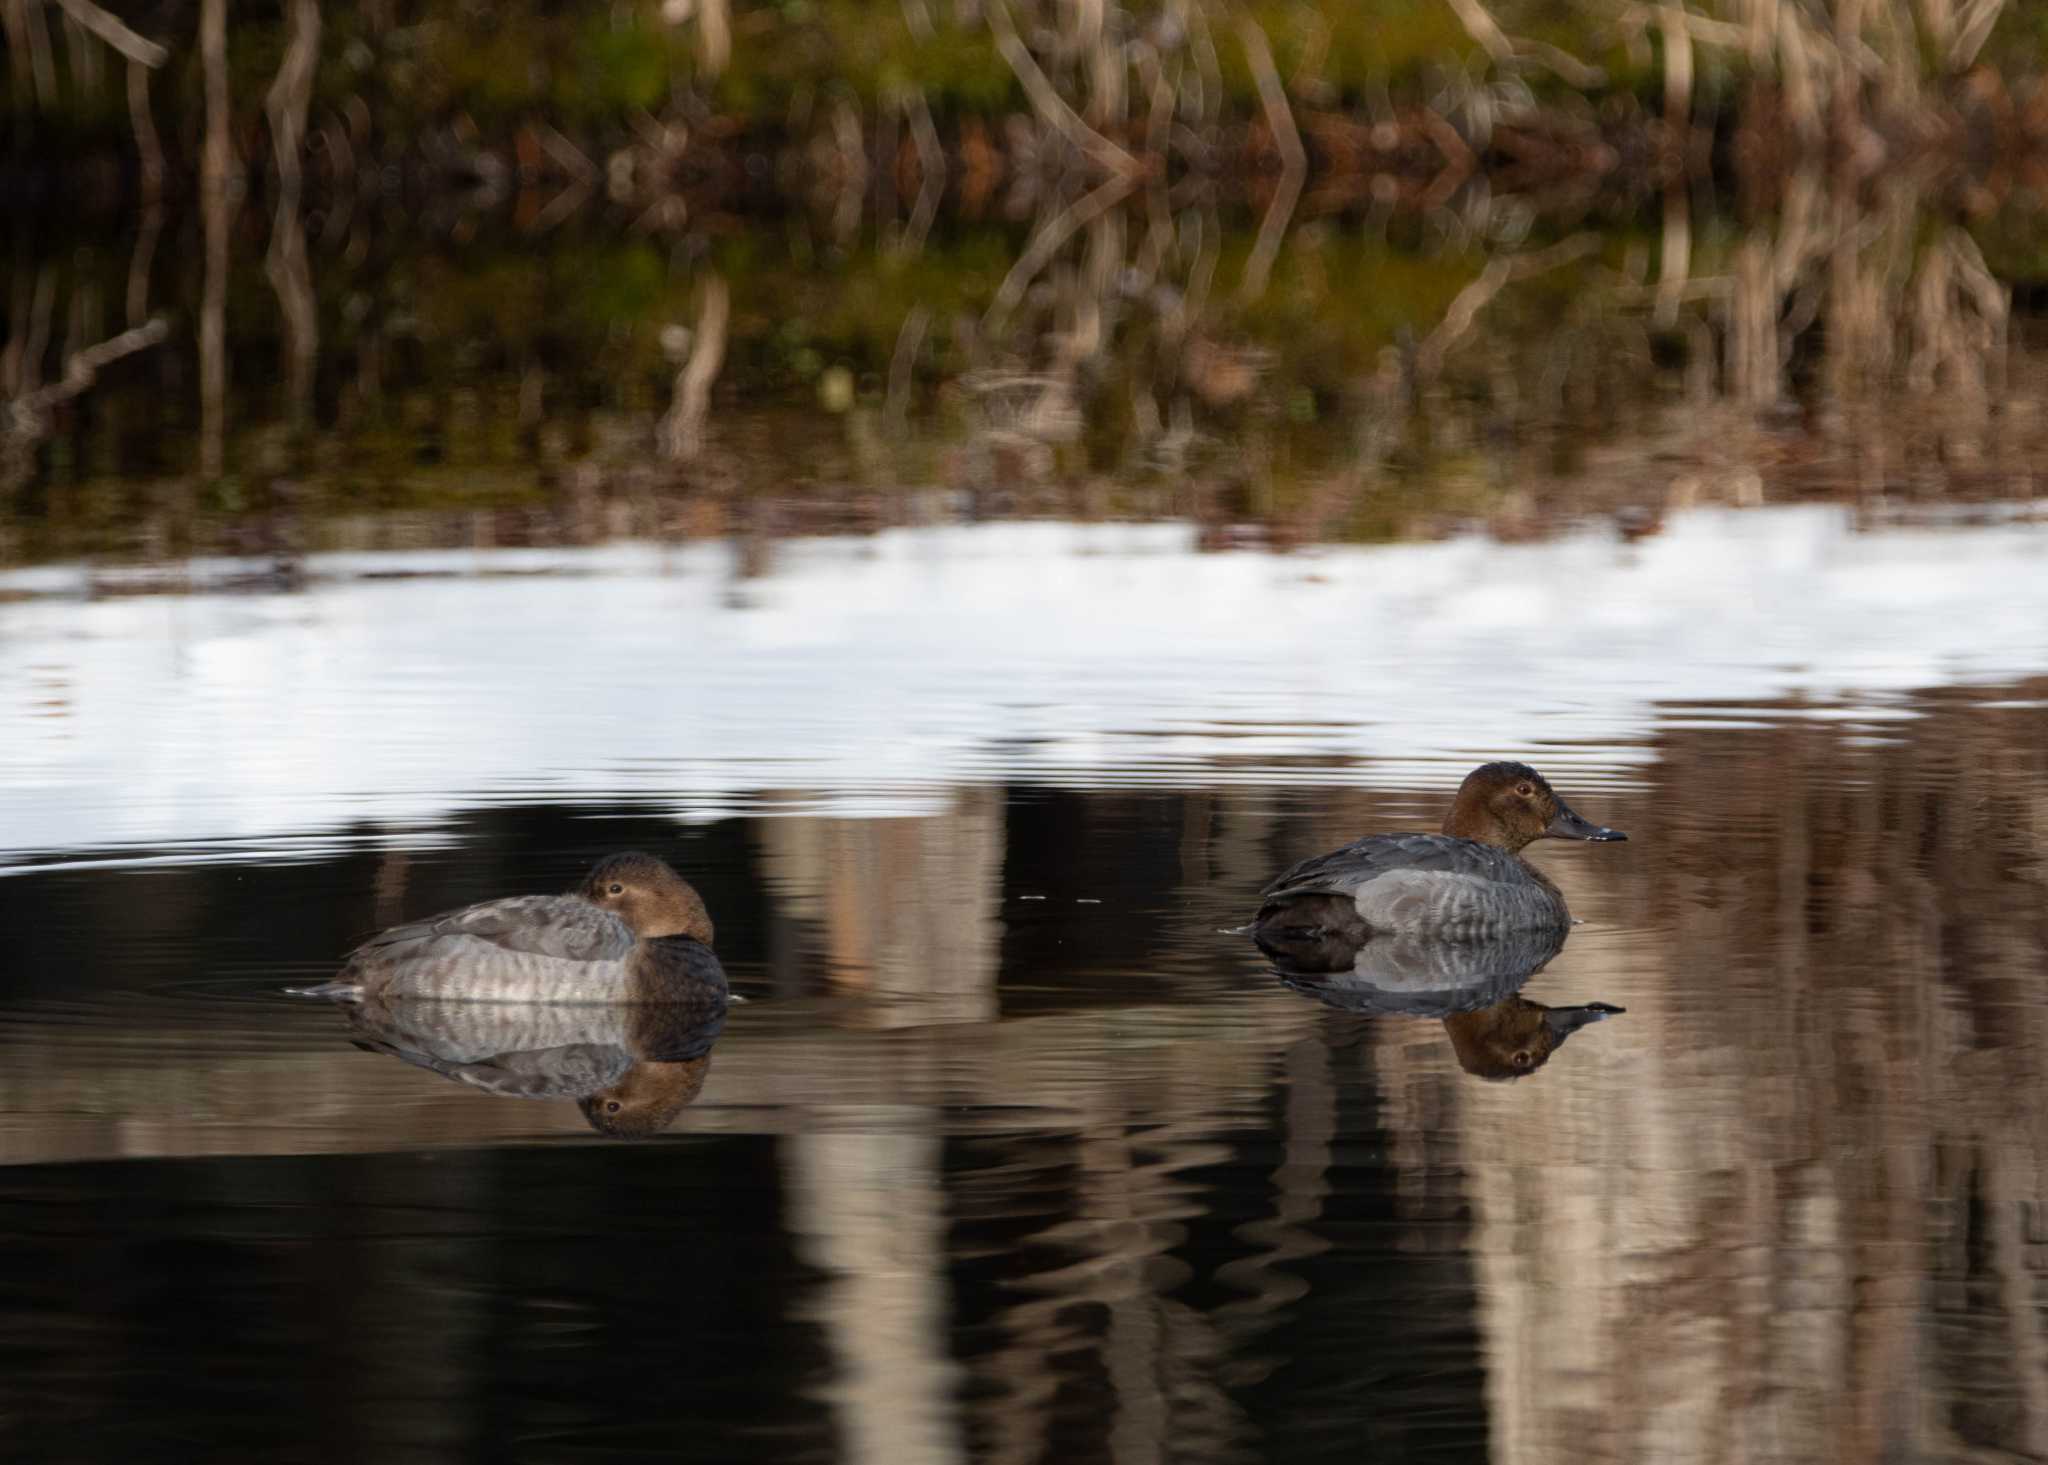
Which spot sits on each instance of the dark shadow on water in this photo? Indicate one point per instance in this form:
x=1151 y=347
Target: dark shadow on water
x=495 y=1304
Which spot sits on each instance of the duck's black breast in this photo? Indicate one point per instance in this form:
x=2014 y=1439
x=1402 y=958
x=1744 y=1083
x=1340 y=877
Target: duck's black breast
x=679 y=970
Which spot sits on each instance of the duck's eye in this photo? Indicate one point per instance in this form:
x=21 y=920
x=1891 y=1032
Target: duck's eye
x=612 y=1106
x=615 y=889
x=1526 y=790
x=1523 y=1058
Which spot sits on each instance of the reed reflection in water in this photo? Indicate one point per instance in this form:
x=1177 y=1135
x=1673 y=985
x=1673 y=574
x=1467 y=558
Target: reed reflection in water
x=1137 y=1198
x=1505 y=356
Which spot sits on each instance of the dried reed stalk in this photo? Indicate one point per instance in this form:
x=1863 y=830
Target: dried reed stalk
x=681 y=434
x=285 y=263
x=216 y=180
x=1293 y=159
x=149 y=150
x=1046 y=99
x=109 y=28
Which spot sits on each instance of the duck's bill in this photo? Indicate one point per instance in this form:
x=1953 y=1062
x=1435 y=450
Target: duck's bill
x=1568 y=825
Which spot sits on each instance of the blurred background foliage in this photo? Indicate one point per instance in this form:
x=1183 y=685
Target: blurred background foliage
x=279 y=276
x=589 y=66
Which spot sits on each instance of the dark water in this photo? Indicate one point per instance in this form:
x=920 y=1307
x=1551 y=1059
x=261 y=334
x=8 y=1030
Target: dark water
x=1012 y=1152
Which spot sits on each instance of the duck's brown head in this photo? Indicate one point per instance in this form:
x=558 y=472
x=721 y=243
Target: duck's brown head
x=1510 y=804
x=650 y=897
x=1516 y=1036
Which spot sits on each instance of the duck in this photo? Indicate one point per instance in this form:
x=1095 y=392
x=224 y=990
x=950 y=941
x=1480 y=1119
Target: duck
x=1469 y=882
x=633 y=931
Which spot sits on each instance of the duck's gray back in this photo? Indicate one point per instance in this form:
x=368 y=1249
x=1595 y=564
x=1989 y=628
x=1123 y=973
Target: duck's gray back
x=530 y=948
x=1426 y=883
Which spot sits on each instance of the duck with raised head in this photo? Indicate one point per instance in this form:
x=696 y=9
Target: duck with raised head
x=1469 y=882
x=632 y=931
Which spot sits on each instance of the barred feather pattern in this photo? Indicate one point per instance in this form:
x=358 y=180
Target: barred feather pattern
x=1436 y=883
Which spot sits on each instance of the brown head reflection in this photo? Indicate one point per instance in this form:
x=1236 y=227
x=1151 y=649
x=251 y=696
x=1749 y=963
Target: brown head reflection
x=631 y=1068
x=1516 y=1036
x=648 y=1096
x=1473 y=987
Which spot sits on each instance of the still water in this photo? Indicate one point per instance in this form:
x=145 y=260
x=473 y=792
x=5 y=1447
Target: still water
x=1013 y=1151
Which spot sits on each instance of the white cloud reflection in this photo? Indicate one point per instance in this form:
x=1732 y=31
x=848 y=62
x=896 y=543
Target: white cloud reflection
x=868 y=675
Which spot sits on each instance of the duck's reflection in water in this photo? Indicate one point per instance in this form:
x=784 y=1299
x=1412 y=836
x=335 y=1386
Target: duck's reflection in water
x=1474 y=987
x=631 y=1068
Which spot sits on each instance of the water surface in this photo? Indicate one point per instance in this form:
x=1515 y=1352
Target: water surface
x=1012 y=1152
